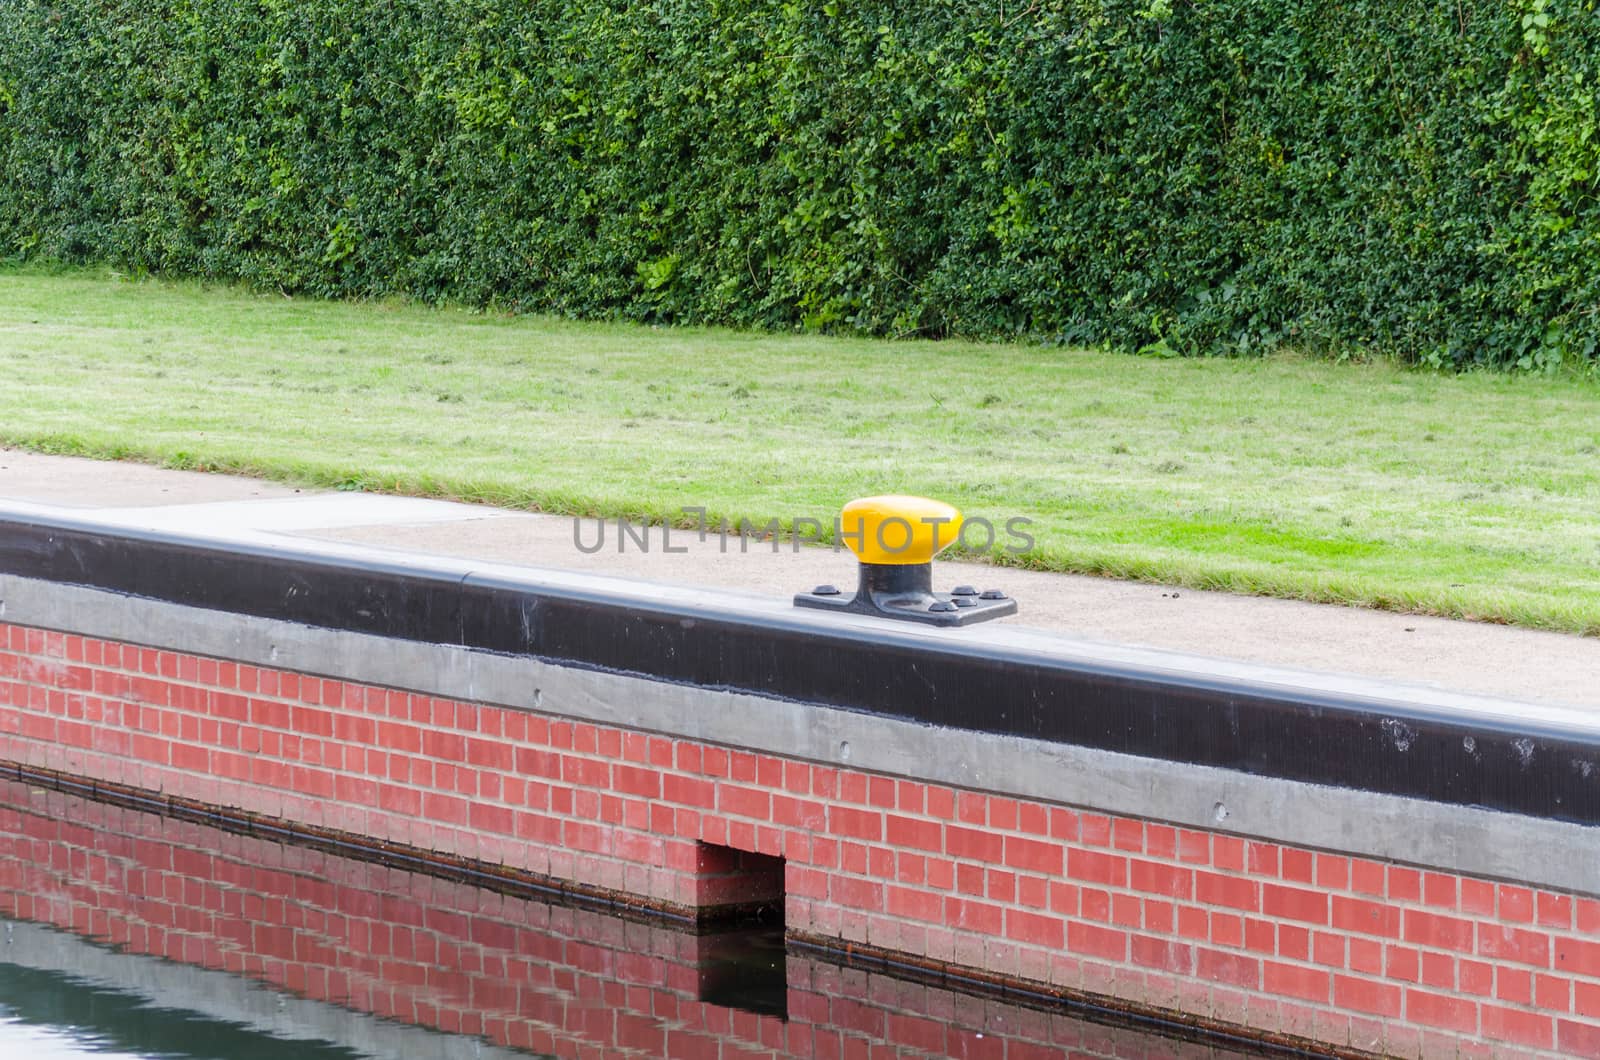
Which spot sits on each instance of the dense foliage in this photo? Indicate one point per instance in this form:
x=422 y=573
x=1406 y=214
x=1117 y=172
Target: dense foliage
x=1186 y=177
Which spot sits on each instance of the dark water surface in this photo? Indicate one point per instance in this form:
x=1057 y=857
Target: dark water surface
x=131 y=935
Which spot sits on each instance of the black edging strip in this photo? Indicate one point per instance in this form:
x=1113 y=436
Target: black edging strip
x=1505 y=764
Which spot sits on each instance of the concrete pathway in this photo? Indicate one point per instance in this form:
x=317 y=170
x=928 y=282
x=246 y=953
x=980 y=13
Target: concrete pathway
x=1460 y=656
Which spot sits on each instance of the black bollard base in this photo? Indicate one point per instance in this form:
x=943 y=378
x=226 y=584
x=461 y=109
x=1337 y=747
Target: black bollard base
x=905 y=592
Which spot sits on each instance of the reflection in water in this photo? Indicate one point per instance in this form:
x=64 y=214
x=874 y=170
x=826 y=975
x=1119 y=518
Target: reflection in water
x=272 y=948
x=53 y=1013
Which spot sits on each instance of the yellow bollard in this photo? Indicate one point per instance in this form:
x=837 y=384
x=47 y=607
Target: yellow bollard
x=895 y=539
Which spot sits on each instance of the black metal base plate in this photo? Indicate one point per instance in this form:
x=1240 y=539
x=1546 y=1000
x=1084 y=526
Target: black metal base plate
x=914 y=608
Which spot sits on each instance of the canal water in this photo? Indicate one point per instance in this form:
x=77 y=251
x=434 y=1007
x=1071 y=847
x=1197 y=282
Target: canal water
x=130 y=935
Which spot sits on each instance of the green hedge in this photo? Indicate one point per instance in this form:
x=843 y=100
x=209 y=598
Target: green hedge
x=1188 y=177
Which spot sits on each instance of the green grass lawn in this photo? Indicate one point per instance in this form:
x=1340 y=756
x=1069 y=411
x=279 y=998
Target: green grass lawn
x=1473 y=495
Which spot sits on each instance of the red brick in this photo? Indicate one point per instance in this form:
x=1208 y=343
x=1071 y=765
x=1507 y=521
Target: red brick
x=910 y=868
x=1160 y=917
x=1163 y=954
x=1299 y=866
x=972 y=844
x=1516 y=904
x=1367 y=918
x=1403 y=963
x=853 y=787
x=1366 y=995
x=1106 y=943
x=689 y=791
x=1227 y=929
x=914 y=832
x=1261 y=859
x=1328 y=948
x=1127 y=834
x=1514 y=985
x=880 y=792
x=1294 y=942
x=1438 y=970
x=799 y=813
x=1294 y=980
x=1033 y=819
x=1063 y=898
x=1439 y=1010
x=1035 y=929
x=444 y=809
x=856 y=893
x=1033 y=855
x=1161 y=841
x=1505 y=943
x=1578 y=957
x=1294 y=903
x=1230 y=891
x=1002 y=813
x=1153 y=877
x=633 y=780
x=1093 y=867
x=941 y=803
x=1439 y=932
x=910 y=796
x=1227 y=853
x=744 y=802
x=856 y=824
x=1405 y=885
x=1235 y=969
x=1475 y=977
x=714 y=762
x=584 y=772
x=983 y=917
x=486 y=818
x=769 y=771
x=1553 y=910
x=1095 y=829
x=1577 y=1039
x=914 y=903
x=1439 y=890
x=1552 y=993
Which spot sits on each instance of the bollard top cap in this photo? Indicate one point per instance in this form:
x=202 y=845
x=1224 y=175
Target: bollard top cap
x=898 y=531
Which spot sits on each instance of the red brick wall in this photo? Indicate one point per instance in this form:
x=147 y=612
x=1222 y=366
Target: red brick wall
x=448 y=956
x=1343 y=950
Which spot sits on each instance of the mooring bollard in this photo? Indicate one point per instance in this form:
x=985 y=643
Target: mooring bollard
x=895 y=538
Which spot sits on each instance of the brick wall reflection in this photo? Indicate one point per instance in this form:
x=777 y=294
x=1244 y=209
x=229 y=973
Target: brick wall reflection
x=456 y=958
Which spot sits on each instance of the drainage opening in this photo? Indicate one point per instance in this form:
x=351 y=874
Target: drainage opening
x=738 y=887
x=742 y=961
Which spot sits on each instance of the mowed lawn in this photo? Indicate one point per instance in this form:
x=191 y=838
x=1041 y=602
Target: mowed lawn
x=1473 y=495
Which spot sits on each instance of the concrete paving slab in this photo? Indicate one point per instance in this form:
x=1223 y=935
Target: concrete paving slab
x=311 y=511
x=1474 y=658
x=78 y=483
